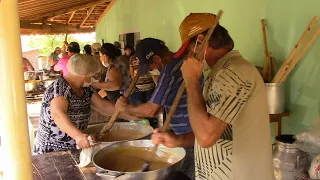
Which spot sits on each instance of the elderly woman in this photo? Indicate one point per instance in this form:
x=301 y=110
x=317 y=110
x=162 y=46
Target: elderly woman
x=66 y=106
x=53 y=58
x=117 y=78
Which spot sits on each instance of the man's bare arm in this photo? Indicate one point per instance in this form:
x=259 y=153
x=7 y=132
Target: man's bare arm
x=107 y=108
x=148 y=109
x=207 y=128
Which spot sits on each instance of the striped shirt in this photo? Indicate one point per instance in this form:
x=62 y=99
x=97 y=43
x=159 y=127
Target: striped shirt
x=168 y=85
x=234 y=92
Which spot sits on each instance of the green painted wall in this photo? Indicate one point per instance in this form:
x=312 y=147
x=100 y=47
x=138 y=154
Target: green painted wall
x=286 y=20
x=161 y=19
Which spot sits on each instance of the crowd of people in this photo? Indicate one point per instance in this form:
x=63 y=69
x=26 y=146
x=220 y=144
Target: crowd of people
x=221 y=121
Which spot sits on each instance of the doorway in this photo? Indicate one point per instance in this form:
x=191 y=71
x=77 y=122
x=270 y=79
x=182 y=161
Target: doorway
x=129 y=39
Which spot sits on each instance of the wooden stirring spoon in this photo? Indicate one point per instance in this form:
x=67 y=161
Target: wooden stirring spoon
x=115 y=115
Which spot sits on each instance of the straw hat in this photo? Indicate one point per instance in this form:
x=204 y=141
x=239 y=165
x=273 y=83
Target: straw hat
x=83 y=65
x=195 y=24
x=191 y=26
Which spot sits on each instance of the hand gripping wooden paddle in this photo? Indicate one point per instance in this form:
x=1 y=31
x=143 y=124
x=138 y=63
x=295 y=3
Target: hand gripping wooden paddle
x=115 y=115
x=182 y=88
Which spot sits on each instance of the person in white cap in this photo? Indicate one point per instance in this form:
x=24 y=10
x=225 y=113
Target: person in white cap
x=66 y=108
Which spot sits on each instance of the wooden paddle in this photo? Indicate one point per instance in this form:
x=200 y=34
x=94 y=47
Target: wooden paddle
x=266 y=51
x=180 y=92
x=286 y=65
x=115 y=115
x=298 y=57
x=64 y=47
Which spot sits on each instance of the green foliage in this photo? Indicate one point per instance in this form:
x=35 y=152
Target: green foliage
x=47 y=43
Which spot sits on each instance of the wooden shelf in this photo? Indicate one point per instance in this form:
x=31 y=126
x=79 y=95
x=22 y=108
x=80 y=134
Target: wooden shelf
x=277 y=118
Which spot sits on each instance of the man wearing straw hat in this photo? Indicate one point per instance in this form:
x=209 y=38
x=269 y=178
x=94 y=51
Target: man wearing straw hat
x=229 y=117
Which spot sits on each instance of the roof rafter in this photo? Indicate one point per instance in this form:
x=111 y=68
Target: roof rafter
x=67 y=10
x=89 y=13
x=53 y=27
x=71 y=16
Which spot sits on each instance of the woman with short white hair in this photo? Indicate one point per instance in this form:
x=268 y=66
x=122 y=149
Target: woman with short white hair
x=66 y=108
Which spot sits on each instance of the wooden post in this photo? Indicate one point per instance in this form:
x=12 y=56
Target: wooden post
x=15 y=138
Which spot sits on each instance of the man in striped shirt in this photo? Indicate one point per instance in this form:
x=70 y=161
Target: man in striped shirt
x=229 y=117
x=155 y=57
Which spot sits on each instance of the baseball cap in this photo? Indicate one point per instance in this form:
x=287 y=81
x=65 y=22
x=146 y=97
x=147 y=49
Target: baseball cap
x=145 y=50
x=74 y=47
x=191 y=26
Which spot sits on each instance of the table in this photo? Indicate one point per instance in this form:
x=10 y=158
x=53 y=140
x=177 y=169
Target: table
x=62 y=165
x=277 y=118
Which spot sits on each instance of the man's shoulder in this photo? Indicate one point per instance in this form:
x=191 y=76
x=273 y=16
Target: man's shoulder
x=65 y=58
x=173 y=66
x=123 y=58
x=237 y=65
x=51 y=55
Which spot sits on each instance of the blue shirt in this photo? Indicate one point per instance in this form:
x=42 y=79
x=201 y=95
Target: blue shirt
x=169 y=83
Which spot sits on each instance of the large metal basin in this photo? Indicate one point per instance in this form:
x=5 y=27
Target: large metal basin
x=143 y=128
x=176 y=159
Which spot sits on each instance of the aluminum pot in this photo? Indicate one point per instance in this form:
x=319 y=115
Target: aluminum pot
x=48 y=82
x=276 y=97
x=176 y=159
x=30 y=75
x=289 y=161
x=145 y=129
x=30 y=85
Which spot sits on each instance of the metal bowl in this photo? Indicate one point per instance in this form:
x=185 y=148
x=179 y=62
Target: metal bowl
x=145 y=87
x=30 y=85
x=177 y=156
x=143 y=128
x=48 y=82
x=30 y=75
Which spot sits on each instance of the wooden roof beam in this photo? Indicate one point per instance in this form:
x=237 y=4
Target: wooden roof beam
x=106 y=11
x=67 y=10
x=22 y=1
x=88 y=14
x=53 y=27
x=38 y=31
x=43 y=22
x=71 y=16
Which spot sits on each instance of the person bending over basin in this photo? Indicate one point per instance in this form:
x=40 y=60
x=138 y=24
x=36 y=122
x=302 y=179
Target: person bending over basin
x=65 y=108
